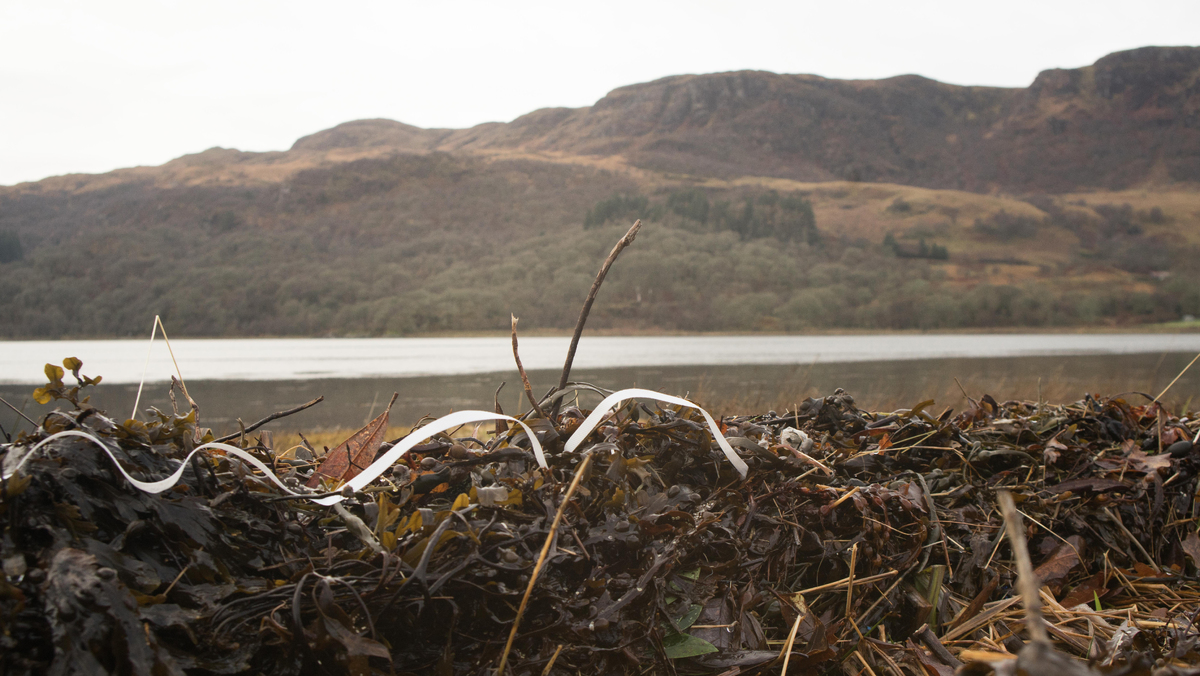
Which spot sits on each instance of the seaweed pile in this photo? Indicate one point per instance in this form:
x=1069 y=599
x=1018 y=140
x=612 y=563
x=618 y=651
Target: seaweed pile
x=858 y=543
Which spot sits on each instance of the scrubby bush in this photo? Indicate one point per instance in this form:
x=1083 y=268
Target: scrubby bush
x=691 y=203
x=10 y=247
x=1006 y=226
x=617 y=207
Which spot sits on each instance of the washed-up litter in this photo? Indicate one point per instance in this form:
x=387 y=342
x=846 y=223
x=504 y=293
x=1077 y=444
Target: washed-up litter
x=826 y=539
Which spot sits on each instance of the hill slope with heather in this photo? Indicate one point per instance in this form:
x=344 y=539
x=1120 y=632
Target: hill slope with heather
x=772 y=202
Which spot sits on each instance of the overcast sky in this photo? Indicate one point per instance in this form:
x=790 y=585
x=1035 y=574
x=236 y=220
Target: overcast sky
x=91 y=86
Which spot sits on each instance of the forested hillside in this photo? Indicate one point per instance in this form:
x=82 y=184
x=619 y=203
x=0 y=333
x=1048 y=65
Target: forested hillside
x=1073 y=202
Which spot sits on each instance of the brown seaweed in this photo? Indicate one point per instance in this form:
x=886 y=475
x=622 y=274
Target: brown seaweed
x=665 y=559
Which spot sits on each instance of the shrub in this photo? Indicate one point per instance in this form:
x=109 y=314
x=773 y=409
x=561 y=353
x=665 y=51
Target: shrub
x=616 y=207
x=225 y=221
x=10 y=247
x=691 y=203
x=1118 y=219
x=1006 y=226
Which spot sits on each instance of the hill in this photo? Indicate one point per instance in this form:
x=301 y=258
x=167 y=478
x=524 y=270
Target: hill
x=1132 y=118
x=774 y=202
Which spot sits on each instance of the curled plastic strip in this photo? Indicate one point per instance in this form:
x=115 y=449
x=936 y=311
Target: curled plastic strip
x=442 y=424
x=365 y=477
x=611 y=401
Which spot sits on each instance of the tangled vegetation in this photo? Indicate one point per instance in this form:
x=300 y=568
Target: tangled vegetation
x=858 y=542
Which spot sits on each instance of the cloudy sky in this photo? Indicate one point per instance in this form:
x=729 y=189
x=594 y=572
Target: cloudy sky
x=91 y=86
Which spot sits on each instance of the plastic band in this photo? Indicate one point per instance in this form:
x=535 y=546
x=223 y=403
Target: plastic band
x=611 y=401
x=368 y=475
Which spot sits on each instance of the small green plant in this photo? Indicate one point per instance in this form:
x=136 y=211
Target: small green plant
x=57 y=389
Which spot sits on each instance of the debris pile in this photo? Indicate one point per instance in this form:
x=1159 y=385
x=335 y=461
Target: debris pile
x=858 y=543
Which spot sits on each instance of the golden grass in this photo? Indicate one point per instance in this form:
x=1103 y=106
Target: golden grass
x=327 y=437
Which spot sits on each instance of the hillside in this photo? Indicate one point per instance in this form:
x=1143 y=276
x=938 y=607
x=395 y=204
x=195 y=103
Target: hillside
x=1130 y=119
x=773 y=202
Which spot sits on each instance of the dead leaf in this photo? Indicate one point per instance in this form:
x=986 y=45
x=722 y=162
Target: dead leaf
x=1149 y=463
x=1086 y=592
x=354 y=454
x=1191 y=545
x=1064 y=559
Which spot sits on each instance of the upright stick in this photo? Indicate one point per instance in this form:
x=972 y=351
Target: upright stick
x=521 y=370
x=1027 y=582
x=587 y=305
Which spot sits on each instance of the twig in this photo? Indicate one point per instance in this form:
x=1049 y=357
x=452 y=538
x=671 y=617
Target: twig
x=791 y=640
x=145 y=367
x=182 y=385
x=890 y=589
x=587 y=305
x=862 y=659
x=964 y=391
x=1026 y=581
x=521 y=370
x=845 y=496
x=20 y=413
x=850 y=579
x=273 y=416
x=553 y=658
x=501 y=427
x=537 y=569
x=835 y=585
x=1185 y=370
x=1116 y=517
x=176 y=580
x=930 y=639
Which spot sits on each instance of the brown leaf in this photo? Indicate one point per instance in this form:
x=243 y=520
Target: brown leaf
x=354 y=454
x=1191 y=545
x=1064 y=559
x=1141 y=462
x=1086 y=592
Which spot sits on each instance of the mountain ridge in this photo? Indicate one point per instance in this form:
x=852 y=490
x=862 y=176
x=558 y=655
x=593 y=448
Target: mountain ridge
x=1132 y=118
x=772 y=203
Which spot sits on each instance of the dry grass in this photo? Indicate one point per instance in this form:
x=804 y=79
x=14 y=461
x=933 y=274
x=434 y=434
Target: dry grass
x=320 y=439
x=946 y=392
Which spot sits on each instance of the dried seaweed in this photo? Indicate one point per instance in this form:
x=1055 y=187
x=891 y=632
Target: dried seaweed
x=858 y=542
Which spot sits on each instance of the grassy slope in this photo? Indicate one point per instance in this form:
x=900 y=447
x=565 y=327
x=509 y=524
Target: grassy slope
x=370 y=243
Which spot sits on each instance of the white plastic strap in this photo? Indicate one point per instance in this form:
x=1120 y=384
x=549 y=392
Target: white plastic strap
x=368 y=475
x=611 y=401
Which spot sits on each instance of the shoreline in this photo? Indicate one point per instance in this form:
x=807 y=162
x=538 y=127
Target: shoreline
x=1179 y=327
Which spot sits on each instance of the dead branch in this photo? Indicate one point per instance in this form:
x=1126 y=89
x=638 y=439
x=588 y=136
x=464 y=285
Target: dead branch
x=587 y=304
x=273 y=416
x=521 y=370
x=1026 y=580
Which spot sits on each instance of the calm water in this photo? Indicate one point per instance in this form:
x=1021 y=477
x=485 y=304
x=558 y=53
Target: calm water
x=252 y=378
x=121 y=361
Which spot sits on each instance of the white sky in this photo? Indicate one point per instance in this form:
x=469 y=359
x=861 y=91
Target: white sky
x=90 y=86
